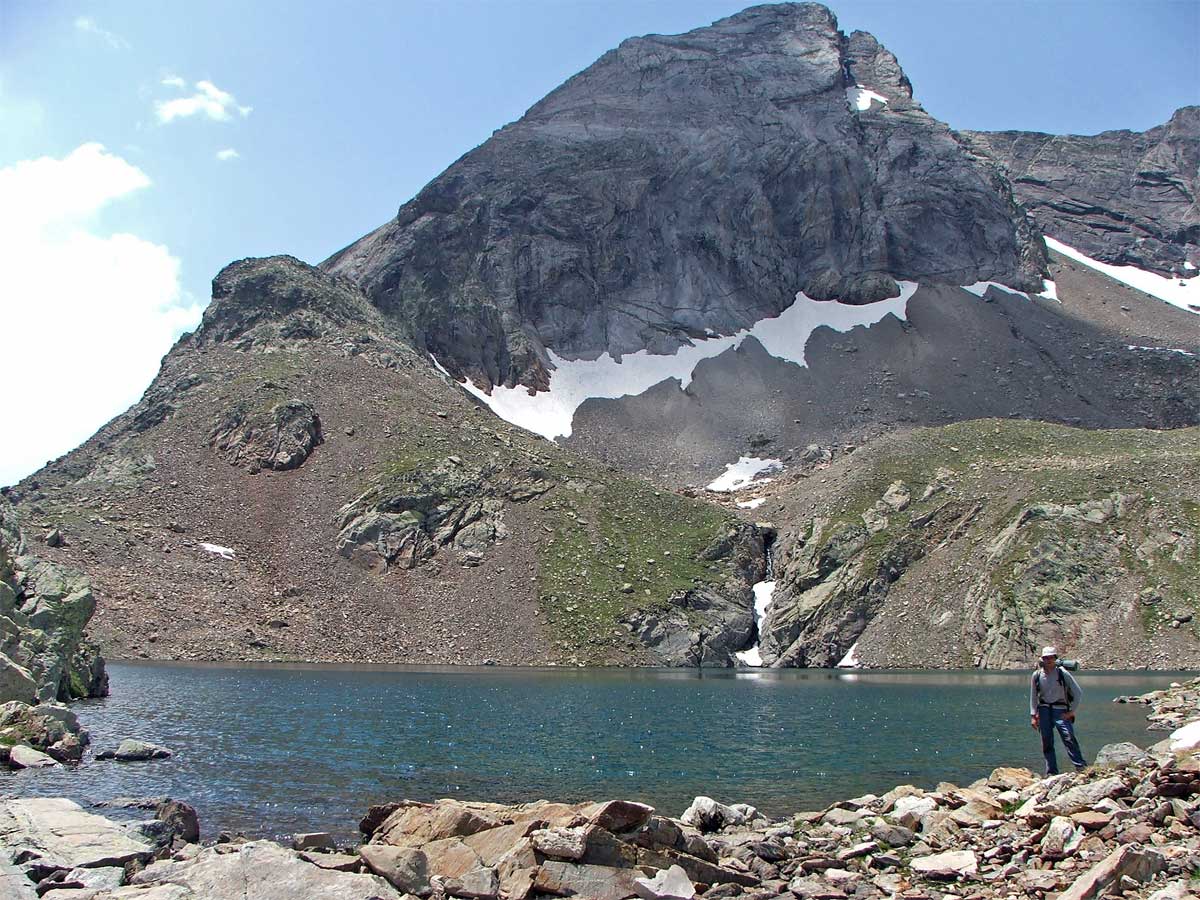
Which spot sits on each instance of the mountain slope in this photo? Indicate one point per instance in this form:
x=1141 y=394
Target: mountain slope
x=977 y=543
x=299 y=484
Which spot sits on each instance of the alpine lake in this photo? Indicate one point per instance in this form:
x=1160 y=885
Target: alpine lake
x=272 y=750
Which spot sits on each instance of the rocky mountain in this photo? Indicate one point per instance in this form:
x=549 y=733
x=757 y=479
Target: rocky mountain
x=779 y=323
x=1123 y=197
x=690 y=185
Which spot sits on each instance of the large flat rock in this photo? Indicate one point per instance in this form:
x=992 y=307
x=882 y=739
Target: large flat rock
x=262 y=870
x=58 y=834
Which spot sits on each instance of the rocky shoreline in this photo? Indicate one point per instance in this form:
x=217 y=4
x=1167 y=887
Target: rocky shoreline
x=1127 y=826
x=1171 y=708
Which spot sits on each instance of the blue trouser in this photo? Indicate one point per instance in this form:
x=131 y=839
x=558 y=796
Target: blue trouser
x=1051 y=719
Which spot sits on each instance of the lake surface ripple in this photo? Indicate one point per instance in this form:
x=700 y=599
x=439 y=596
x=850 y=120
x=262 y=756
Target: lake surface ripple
x=272 y=750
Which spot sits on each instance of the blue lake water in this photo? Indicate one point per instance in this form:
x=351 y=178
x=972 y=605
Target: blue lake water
x=272 y=750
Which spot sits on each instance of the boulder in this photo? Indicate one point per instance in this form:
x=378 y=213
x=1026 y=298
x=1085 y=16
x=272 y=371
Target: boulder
x=16 y=683
x=707 y=815
x=805 y=887
x=561 y=843
x=416 y=824
x=404 y=867
x=479 y=883
x=23 y=757
x=618 y=815
x=1085 y=796
x=180 y=819
x=892 y=835
x=1122 y=754
x=1061 y=838
x=668 y=884
x=1128 y=861
x=50 y=727
x=848 y=817
x=910 y=811
x=594 y=882
x=139 y=751
x=952 y=864
x=313 y=840
x=1185 y=738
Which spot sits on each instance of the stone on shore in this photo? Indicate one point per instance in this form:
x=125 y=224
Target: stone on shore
x=668 y=884
x=1129 y=861
x=952 y=864
x=1122 y=754
x=49 y=727
x=23 y=757
x=407 y=868
x=313 y=840
x=54 y=833
x=262 y=870
x=131 y=750
x=707 y=815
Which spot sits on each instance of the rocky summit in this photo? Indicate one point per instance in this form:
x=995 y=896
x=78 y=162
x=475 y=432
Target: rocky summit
x=691 y=184
x=725 y=353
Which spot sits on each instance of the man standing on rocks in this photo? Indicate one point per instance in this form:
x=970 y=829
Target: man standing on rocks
x=1053 y=697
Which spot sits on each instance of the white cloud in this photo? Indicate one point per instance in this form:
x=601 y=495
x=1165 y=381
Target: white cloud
x=86 y=315
x=208 y=100
x=227 y=154
x=174 y=81
x=88 y=24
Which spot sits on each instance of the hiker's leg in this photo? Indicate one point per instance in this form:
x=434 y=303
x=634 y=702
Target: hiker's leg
x=1046 y=727
x=1066 y=730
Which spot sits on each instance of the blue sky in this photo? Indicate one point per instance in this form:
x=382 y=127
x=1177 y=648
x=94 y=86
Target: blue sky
x=332 y=115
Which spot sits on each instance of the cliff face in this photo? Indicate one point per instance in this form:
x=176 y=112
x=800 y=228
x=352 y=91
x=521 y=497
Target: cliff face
x=690 y=184
x=44 y=610
x=1123 y=197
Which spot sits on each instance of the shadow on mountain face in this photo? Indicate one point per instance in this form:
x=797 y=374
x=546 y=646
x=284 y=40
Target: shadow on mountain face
x=955 y=358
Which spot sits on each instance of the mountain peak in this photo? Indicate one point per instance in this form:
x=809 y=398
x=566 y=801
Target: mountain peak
x=690 y=184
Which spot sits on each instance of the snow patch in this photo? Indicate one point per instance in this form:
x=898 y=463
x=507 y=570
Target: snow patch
x=223 y=552
x=850 y=660
x=572 y=381
x=1160 y=350
x=1186 y=738
x=1181 y=292
x=1187 y=264
x=1049 y=289
x=751 y=504
x=764 y=593
x=860 y=98
x=744 y=473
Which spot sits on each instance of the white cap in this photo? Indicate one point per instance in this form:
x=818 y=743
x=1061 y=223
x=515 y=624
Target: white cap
x=1049 y=651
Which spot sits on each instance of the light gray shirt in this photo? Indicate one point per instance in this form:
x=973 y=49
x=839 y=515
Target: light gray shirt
x=1049 y=690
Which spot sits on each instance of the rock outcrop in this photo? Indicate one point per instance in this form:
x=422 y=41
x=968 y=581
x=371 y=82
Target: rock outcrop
x=976 y=544
x=689 y=183
x=1123 y=197
x=44 y=610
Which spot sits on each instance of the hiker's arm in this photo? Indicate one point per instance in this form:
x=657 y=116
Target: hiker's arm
x=1033 y=698
x=1076 y=691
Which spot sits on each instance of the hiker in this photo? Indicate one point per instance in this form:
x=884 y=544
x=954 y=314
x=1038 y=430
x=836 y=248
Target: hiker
x=1053 y=698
